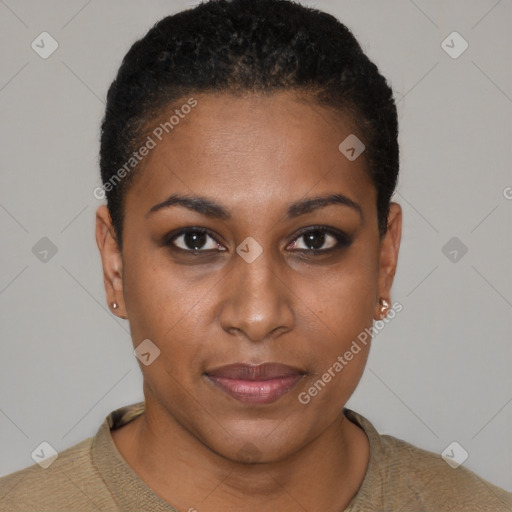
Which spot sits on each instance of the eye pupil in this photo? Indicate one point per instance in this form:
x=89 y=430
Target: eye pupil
x=314 y=239
x=194 y=239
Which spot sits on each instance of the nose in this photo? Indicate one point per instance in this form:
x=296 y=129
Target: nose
x=257 y=302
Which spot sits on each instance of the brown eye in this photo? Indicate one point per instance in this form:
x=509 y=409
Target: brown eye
x=194 y=240
x=320 y=239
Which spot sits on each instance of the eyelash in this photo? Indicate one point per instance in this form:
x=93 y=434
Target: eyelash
x=342 y=240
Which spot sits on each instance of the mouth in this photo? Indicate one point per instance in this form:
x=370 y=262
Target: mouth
x=255 y=384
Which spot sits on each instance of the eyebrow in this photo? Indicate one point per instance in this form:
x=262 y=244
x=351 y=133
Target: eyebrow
x=210 y=208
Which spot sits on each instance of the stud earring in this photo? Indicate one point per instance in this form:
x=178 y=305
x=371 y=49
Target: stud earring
x=115 y=305
x=384 y=306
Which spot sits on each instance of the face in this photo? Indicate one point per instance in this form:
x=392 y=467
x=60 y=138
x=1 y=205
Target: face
x=254 y=272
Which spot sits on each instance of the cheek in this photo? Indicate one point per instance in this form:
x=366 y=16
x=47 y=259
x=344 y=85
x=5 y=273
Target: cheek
x=342 y=296
x=336 y=314
x=339 y=321
x=154 y=295
x=168 y=305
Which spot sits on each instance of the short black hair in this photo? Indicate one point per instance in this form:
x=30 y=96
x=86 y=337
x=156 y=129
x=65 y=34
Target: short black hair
x=248 y=46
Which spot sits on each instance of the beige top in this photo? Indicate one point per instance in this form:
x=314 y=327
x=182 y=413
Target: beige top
x=92 y=475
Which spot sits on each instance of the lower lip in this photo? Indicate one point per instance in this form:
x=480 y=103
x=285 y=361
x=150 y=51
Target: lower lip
x=256 y=391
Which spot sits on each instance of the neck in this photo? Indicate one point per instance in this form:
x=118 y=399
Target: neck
x=323 y=475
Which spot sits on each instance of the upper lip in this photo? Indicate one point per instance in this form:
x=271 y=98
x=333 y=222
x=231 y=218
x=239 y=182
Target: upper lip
x=263 y=371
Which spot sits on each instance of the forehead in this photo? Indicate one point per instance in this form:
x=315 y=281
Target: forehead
x=249 y=150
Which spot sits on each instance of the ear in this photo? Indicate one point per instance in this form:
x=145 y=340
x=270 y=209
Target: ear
x=111 y=260
x=388 y=259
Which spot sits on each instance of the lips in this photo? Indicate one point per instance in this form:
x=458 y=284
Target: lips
x=255 y=384
x=264 y=371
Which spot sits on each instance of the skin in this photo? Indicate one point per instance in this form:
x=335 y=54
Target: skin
x=255 y=155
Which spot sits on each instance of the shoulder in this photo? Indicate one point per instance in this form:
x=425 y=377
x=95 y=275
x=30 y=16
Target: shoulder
x=403 y=477
x=70 y=481
x=425 y=478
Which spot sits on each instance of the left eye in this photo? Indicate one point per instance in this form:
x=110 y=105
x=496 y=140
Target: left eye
x=315 y=240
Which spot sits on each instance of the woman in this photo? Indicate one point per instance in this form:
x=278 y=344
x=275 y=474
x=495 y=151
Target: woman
x=248 y=156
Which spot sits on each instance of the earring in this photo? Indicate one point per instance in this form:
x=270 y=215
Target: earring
x=115 y=305
x=384 y=306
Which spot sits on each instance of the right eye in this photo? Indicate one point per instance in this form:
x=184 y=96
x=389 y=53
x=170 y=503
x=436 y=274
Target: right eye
x=194 y=240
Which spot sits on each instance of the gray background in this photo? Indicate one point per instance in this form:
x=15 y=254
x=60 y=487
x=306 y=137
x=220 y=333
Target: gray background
x=439 y=372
